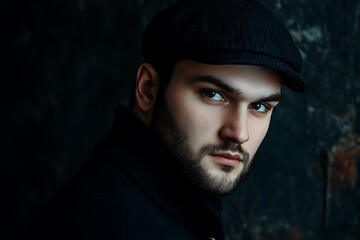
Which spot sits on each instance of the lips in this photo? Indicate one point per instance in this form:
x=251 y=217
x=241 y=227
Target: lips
x=227 y=159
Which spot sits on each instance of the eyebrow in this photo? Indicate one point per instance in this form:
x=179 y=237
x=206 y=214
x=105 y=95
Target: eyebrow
x=276 y=97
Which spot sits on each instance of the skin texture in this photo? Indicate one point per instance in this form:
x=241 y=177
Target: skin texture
x=212 y=118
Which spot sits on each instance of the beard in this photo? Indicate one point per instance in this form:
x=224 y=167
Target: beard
x=176 y=141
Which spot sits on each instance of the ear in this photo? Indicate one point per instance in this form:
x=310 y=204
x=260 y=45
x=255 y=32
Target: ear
x=147 y=84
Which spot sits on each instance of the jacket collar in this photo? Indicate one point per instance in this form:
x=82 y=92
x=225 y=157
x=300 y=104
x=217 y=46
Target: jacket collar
x=134 y=148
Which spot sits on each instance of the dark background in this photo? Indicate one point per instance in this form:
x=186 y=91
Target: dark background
x=69 y=63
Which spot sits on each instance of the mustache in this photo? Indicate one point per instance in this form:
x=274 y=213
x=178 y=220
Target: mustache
x=227 y=146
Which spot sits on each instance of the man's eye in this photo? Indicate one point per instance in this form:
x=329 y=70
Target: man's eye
x=260 y=107
x=213 y=95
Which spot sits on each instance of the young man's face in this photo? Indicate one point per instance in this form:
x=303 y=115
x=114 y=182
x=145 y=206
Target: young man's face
x=214 y=117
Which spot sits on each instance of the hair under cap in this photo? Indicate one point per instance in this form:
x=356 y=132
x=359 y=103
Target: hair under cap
x=223 y=32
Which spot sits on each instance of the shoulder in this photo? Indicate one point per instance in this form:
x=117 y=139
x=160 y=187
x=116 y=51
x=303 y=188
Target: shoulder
x=102 y=201
x=90 y=203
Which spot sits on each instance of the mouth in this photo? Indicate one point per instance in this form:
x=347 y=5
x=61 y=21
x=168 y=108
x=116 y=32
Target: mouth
x=227 y=159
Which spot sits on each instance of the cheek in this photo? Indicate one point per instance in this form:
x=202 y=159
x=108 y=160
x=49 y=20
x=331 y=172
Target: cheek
x=192 y=118
x=257 y=130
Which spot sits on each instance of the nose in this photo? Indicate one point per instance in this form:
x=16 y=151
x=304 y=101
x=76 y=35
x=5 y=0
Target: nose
x=235 y=126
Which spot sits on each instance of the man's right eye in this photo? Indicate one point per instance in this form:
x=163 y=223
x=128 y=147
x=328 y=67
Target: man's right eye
x=213 y=95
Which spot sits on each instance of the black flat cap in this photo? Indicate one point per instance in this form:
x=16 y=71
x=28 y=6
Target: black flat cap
x=223 y=32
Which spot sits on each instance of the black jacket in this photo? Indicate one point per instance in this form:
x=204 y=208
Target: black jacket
x=129 y=189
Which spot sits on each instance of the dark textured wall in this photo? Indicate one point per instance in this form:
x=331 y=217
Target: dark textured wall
x=69 y=63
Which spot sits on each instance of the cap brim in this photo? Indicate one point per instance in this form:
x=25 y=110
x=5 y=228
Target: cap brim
x=291 y=78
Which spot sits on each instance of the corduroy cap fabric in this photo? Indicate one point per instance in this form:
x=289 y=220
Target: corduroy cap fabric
x=223 y=32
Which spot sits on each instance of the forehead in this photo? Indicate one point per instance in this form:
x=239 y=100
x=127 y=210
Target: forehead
x=242 y=77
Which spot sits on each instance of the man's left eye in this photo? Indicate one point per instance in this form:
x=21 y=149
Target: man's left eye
x=260 y=107
x=213 y=95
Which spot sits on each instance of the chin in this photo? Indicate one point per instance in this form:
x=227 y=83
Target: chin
x=220 y=182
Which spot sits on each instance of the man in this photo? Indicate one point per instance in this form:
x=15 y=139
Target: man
x=212 y=74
